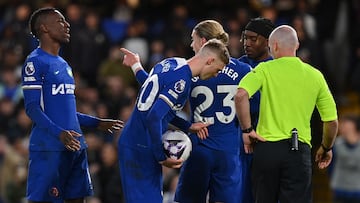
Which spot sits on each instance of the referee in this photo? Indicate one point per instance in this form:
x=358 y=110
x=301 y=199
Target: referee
x=281 y=146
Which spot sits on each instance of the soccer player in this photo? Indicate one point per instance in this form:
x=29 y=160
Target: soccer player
x=213 y=167
x=290 y=90
x=164 y=92
x=255 y=42
x=58 y=167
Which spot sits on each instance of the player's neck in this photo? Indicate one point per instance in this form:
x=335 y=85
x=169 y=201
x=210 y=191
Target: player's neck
x=195 y=65
x=50 y=48
x=263 y=57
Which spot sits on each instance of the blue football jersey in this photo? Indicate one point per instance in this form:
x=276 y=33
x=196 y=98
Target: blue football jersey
x=49 y=87
x=163 y=93
x=253 y=63
x=212 y=101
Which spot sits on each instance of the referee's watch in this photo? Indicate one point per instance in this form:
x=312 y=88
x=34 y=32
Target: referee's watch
x=325 y=148
x=248 y=130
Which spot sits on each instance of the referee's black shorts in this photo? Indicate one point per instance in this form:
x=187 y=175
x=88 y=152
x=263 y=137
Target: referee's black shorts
x=278 y=173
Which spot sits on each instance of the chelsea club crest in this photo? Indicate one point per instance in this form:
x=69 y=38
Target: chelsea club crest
x=69 y=71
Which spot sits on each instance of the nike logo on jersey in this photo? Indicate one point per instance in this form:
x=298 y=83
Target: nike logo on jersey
x=56 y=72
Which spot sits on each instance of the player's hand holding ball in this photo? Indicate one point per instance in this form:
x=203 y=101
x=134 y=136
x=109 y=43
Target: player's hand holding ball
x=177 y=147
x=172 y=163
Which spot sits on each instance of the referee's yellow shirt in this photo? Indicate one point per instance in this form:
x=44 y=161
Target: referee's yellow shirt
x=290 y=89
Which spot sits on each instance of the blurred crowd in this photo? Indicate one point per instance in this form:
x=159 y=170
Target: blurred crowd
x=328 y=30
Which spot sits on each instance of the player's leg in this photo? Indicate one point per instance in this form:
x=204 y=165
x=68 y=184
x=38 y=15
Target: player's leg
x=295 y=182
x=246 y=195
x=225 y=177
x=194 y=177
x=78 y=185
x=141 y=175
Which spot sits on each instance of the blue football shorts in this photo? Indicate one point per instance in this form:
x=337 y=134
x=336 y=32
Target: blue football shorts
x=58 y=175
x=141 y=174
x=209 y=174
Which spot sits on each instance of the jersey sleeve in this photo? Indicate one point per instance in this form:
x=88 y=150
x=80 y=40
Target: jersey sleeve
x=252 y=81
x=87 y=120
x=175 y=93
x=325 y=103
x=141 y=76
x=32 y=74
x=154 y=124
x=181 y=123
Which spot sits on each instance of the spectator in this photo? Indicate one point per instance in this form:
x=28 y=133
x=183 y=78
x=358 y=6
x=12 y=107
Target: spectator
x=108 y=175
x=346 y=166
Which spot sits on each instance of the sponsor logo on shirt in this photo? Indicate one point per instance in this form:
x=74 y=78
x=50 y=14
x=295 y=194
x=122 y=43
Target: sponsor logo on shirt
x=62 y=89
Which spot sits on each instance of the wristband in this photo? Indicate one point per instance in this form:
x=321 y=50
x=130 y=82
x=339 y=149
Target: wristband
x=325 y=148
x=248 y=130
x=135 y=66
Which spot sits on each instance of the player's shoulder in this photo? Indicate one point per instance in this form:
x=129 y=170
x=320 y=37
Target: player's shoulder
x=34 y=61
x=173 y=67
x=37 y=56
x=239 y=65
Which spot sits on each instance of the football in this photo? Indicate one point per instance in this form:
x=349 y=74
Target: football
x=177 y=144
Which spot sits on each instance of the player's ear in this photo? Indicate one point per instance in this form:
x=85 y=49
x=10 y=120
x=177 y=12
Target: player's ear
x=43 y=28
x=203 y=41
x=210 y=61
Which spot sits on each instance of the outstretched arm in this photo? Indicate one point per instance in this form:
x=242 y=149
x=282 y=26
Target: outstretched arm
x=133 y=60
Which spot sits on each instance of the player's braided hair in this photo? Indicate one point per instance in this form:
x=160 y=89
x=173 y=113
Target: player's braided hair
x=34 y=20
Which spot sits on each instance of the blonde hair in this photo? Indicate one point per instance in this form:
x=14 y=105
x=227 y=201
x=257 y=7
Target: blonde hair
x=219 y=48
x=211 y=29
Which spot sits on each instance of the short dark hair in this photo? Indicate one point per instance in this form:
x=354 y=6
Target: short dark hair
x=34 y=20
x=261 y=26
